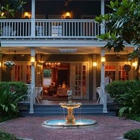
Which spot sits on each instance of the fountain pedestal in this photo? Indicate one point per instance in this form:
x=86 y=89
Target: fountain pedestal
x=70 y=119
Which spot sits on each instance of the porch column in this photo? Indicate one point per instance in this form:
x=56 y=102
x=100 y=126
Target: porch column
x=32 y=80
x=33 y=18
x=103 y=81
x=94 y=76
x=102 y=13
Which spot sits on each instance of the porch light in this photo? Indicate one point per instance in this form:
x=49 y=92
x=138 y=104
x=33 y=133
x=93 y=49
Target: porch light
x=67 y=15
x=103 y=59
x=2 y=14
x=32 y=59
x=94 y=64
x=134 y=64
x=27 y=15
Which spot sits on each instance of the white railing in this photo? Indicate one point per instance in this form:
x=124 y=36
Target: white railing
x=49 y=28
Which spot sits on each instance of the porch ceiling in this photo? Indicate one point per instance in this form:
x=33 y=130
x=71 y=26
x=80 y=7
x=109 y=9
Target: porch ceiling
x=56 y=50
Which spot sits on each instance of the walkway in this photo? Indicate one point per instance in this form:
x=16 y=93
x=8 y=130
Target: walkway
x=108 y=128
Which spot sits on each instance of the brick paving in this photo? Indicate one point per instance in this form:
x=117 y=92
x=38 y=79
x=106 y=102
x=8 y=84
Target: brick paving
x=108 y=128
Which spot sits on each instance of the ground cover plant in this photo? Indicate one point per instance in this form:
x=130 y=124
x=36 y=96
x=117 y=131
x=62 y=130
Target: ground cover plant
x=132 y=134
x=7 y=136
x=10 y=95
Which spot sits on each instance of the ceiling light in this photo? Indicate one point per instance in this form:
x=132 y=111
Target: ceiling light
x=67 y=50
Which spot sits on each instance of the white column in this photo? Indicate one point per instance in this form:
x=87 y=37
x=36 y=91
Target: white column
x=32 y=82
x=103 y=81
x=102 y=13
x=33 y=18
x=94 y=77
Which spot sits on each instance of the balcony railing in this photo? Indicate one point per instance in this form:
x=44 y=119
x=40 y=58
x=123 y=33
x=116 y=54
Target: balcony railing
x=49 y=28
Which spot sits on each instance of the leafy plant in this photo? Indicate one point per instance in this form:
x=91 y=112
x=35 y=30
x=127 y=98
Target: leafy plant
x=121 y=24
x=127 y=95
x=122 y=27
x=6 y=136
x=135 y=117
x=8 y=8
x=132 y=134
x=10 y=94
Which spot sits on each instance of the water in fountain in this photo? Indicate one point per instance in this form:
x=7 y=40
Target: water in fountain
x=69 y=120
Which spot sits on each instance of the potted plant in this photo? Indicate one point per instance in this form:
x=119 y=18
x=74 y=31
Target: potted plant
x=9 y=65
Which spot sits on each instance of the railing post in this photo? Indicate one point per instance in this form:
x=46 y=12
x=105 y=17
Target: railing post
x=33 y=19
x=102 y=13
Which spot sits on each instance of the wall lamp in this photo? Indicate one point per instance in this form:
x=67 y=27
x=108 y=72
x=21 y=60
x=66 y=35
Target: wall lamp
x=103 y=59
x=67 y=15
x=32 y=60
x=94 y=64
x=27 y=15
x=134 y=64
x=0 y=64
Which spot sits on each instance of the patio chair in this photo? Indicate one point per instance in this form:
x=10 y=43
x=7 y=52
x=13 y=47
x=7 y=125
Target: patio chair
x=8 y=31
x=100 y=93
x=38 y=94
x=28 y=92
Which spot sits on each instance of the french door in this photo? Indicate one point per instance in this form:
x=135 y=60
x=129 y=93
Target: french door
x=117 y=71
x=78 y=80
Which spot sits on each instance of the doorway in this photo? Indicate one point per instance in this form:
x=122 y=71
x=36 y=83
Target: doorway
x=63 y=76
x=74 y=75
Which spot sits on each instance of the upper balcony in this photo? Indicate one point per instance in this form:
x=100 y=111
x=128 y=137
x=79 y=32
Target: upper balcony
x=49 y=29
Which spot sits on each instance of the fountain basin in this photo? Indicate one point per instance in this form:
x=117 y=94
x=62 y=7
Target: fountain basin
x=62 y=123
x=70 y=121
x=70 y=105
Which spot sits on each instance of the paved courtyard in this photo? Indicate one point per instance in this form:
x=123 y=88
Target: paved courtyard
x=108 y=128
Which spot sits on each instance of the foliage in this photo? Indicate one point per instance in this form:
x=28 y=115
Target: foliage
x=10 y=7
x=122 y=25
x=135 y=117
x=10 y=94
x=7 y=136
x=132 y=134
x=127 y=95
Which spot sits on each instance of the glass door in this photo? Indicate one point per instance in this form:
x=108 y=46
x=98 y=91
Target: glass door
x=78 y=80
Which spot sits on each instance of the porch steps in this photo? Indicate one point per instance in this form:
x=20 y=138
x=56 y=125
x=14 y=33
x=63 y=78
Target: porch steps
x=50 y=110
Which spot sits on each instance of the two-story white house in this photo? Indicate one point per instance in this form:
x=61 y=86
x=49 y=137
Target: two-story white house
x=60 y=36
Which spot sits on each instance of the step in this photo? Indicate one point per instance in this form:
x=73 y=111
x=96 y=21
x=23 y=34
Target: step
x=45 y=110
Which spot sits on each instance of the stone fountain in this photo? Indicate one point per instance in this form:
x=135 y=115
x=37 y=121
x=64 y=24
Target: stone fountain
x=70 y=120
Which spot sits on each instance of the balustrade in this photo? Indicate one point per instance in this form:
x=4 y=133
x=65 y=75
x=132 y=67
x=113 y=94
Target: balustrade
x=49 y=28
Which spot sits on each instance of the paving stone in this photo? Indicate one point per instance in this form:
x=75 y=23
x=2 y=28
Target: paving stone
x=108 y=128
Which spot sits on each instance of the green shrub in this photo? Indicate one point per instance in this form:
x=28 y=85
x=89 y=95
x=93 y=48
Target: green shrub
x=126 y=95
x=18 y=87
x=132 y=134
x=135 y=117
x=7 y=136
x=10 y=94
